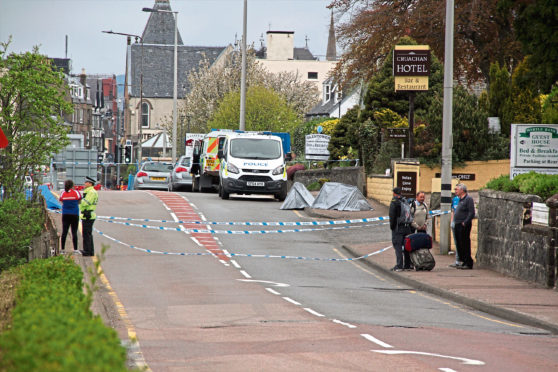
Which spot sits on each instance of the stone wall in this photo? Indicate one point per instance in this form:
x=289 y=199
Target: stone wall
x=47 y=243
x=380 y=188
x=347 y=175
x=507 y=246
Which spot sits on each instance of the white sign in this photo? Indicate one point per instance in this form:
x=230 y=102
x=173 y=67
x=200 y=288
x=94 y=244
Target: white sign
x=189 y=141
x=534 y=147
x=316 y=147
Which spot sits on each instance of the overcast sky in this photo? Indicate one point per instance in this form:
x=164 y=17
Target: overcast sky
x=200 y=22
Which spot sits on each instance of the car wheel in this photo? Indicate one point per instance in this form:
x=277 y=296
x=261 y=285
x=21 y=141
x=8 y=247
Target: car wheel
x=282 y=195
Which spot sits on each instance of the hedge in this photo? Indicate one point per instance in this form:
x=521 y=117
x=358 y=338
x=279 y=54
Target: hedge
x=543 y=185
x=53 y=328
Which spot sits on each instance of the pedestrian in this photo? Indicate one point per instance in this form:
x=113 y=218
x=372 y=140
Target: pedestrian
x=454 y=203
x=463 y=221
x=420 y=213
x=70 y=200
x=88 y=206
x=400 y=225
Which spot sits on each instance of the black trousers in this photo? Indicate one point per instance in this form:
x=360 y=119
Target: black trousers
x=70 y=220
x=87 y=233
x=462 y=235
x=402 y=257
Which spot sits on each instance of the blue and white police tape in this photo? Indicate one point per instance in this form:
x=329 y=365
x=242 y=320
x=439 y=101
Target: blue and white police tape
x=261 y=223
x=240 y=232
x=231 y=255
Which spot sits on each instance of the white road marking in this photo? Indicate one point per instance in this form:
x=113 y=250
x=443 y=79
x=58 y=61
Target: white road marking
x=275 y=284
x=246 y=275
x=447 y=370
x=235 y=264
x=313 y=312
x=271 y=290
x=291 y=301
x=174 y=217
x=343 y=323
x=225 y=263
x=375 y=340
x=463 y=360
x=196 y=241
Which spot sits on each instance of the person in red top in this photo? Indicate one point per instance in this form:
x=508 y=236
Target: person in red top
x=70 y=199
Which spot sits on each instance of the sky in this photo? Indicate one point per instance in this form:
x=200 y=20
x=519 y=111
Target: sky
x=45 y=23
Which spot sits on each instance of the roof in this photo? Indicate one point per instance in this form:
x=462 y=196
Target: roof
x=158 y=68
x=159 y=141
x=303 y=54
x=160 y=27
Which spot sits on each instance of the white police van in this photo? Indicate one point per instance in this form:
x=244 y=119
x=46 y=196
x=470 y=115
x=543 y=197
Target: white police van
x=253 y=163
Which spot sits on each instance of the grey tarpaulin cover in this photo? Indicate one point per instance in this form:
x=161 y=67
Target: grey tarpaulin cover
x=339 y=196
x=299 y=197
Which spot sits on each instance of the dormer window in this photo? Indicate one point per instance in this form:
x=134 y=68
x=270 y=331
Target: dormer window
x=327 y=93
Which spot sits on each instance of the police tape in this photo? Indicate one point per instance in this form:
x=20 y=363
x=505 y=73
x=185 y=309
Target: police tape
x=262 y=223
x=240 y=232
x=231 y=255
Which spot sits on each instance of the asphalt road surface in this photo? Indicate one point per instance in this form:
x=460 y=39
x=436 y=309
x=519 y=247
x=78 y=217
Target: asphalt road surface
x=282 y=301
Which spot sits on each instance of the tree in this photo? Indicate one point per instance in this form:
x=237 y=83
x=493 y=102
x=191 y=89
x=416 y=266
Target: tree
x=209 y=85
x=265 y=111
x=535 y=25
x=31 y=108
x=550 y=107
x=483 y=34
x=498 y=90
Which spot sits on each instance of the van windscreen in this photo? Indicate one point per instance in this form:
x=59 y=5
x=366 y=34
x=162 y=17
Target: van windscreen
x=252 y=148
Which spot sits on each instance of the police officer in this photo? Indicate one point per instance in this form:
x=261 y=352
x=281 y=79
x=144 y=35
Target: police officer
x=87 y=208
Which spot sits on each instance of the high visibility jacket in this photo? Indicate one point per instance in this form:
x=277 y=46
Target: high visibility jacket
x=89 y=203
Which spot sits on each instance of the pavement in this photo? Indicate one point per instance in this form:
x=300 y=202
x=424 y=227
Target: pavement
x=482 y=289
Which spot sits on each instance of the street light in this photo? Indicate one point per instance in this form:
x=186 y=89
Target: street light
x=175 y=82
x=140 y=139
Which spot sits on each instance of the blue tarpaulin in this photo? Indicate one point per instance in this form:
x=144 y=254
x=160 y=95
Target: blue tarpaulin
x=51 y=200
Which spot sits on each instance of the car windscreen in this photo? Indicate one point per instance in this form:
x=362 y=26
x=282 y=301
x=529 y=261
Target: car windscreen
x=252 y=148
x=185 y=162
x=157 y=167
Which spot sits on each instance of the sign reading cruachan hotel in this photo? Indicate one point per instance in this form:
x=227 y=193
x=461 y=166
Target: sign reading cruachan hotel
x=411 y=67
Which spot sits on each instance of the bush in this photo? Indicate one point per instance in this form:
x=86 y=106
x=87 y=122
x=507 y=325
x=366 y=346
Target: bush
x=53 y=328
x=543 y=185
x=314 y=186
x=20 y=221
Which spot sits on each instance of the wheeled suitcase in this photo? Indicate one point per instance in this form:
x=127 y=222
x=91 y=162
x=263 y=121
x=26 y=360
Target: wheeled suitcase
x=416 y=241
x=422 y=259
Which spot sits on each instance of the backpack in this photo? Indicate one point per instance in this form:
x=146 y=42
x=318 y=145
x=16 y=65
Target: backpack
x=406 y=216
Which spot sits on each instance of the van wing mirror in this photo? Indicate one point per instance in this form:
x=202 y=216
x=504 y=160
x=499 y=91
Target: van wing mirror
x=288 y=156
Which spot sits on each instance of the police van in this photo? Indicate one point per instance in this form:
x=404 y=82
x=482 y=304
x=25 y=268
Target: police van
x=253 y=163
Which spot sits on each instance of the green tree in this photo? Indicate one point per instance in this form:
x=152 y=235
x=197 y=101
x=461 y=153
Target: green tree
x=31 y=108
x=498 y=90
x=550 y=107
x=265 y=111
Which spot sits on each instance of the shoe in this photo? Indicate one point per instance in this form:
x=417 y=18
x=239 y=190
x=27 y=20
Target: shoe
x=465 y=267
x=408 y=268
x=397 y=269
x=77 y=251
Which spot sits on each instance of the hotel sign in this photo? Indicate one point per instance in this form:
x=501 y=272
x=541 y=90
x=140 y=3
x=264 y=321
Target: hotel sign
x=411 y=67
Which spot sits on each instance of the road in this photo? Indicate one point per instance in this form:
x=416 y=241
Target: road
x=206 y=310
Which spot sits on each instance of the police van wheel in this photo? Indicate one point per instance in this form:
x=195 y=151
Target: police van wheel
x=224 y=194
x=282 y=195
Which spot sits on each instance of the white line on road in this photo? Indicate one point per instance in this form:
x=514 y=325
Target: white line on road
x=447 y=370
x=271 y=290
x=235 y=264
x=375 y=340
x=312 y=311
x=349 y=325
x=245 y=274
x=464 y=360
x=291 y=301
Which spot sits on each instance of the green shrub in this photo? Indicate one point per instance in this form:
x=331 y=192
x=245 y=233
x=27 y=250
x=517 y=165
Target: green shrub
x=314 y=186
x=543 y=185
x=53 y=328
x=20 y=221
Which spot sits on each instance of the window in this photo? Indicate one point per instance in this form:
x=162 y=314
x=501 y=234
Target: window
x=313 y=75
x=327 y=93
x=145 y=115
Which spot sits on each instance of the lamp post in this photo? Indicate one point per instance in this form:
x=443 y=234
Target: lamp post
x=140 y=139
x=175 y=82
x=242 y=125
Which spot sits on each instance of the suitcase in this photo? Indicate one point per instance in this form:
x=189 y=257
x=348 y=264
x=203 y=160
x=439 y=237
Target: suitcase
x=422 y=259
x=417 y=241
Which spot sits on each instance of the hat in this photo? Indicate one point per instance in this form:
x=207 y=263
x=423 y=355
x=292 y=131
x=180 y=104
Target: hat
x=397 y=190
x=89 y=179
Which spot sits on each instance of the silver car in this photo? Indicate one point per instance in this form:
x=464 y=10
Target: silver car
x=180 y=176
x=153 y=175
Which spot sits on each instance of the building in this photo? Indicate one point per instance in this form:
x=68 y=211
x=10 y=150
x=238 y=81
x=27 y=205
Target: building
x=154 y=61
x=335 y=103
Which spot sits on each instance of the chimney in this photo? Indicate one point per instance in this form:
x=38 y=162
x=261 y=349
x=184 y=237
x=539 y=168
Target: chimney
x=280 y=45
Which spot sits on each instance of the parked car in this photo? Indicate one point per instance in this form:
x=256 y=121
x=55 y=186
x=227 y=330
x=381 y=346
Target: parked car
x=180 y=176
x=153 y=175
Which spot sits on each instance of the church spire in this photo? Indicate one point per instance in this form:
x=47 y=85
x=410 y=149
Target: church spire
x=331 y=54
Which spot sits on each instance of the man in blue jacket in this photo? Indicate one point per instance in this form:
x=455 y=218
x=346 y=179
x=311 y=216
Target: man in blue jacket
x=463 y=220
